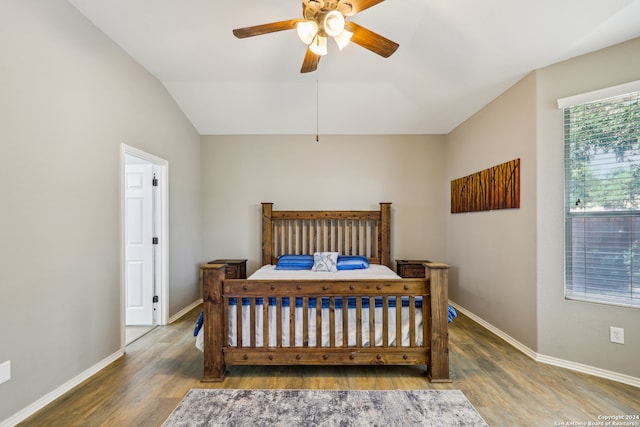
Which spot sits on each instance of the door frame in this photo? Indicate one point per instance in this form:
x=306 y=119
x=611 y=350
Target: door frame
x=161 y=213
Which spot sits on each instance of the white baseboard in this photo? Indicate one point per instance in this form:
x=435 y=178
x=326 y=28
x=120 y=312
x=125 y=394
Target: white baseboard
x=185 y=311
x=591 y=370
x=574 y=366
x=50 y=397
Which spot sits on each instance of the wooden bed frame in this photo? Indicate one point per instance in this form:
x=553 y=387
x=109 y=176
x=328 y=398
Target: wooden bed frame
x=347 y=232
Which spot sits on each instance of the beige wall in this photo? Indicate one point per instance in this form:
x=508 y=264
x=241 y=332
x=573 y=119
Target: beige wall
x=508 y=266
x=493 y=253
x=69 y=98
x=339 y=172
x=569 y=330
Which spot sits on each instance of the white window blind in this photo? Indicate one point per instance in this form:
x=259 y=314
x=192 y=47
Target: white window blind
x=602 y=200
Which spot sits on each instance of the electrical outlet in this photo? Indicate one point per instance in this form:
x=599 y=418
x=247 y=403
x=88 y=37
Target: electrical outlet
x=616 y=335
x=5 y=371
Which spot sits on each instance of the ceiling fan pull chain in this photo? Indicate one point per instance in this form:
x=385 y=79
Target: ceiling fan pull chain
x=317 y=113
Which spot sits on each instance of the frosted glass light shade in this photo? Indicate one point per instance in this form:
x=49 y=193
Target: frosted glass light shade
x=343 y=38
x=307 y=30
x=333 y=23
x=319 y=45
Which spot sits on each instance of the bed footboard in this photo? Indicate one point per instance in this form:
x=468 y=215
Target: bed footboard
x=342 y=322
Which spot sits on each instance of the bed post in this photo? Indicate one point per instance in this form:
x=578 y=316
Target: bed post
x=212 y=277
x=267 y=233
x=439 y=357
x=385 y=234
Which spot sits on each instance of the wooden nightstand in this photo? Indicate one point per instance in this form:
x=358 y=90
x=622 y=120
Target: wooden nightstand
x=235 y=268
x=410 y=269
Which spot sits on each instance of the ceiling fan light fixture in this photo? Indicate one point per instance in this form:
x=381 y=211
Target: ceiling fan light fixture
x=333 y=23
x=342 y=39
x=319 y=45
x=307 y=31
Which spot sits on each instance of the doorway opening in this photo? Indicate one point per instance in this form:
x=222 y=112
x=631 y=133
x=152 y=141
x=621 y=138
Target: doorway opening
x=144 y=249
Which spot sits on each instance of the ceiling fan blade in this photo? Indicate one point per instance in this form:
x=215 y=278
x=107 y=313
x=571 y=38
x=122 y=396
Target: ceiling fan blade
x=265 y=28
x=370 y=40
x=357 y=6
x=310 y=62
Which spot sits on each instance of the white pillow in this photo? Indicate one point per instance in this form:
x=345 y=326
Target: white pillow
x=325 y=261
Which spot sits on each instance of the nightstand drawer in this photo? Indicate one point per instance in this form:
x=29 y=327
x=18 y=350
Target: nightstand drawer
x=234 y=269
x=411 y=269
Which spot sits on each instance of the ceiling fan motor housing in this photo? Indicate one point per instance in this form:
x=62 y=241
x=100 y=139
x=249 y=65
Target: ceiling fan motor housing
x=315 y=9
x=329 y=15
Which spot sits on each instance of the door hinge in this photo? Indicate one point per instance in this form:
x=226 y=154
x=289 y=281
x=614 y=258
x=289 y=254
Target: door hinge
x=155 y=241
x=155 y=299
x=154 y=181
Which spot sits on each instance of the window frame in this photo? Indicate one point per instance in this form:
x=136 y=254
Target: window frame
x=601 y=293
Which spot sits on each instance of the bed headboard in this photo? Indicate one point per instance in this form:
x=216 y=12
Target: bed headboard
x=365 y=233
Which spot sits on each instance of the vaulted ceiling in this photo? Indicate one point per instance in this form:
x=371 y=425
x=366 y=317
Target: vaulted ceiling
x=454 y=57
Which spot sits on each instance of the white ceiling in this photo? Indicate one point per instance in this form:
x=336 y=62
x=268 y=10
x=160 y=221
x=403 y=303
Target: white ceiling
x=454 y=57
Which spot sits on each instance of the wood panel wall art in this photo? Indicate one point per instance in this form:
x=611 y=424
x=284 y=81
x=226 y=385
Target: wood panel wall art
x=497 y=187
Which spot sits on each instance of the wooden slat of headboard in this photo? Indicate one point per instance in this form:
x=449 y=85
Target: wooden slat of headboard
x=347 y=232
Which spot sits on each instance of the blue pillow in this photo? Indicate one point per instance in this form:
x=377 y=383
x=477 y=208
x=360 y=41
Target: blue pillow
x=352 y=262
x=295 y=262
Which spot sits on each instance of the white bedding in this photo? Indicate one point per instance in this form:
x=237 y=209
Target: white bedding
x=375 y=271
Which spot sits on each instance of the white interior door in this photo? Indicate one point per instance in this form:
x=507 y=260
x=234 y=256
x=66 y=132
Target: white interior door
x=139 y=260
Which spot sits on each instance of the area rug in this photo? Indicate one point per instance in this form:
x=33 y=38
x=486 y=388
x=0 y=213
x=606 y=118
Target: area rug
x=225 y=407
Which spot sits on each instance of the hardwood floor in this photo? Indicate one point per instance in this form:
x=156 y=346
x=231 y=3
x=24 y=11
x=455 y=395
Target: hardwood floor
x=506 y=387
x=133 y=333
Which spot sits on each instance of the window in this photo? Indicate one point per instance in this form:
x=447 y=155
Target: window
x=602 y=199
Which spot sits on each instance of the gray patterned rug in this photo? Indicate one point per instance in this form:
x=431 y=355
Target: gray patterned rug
x=224 y=407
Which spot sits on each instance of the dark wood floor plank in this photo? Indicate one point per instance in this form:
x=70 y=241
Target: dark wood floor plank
x=507 y=387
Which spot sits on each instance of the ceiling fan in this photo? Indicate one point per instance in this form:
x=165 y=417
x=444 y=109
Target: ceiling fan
x=323 y=19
